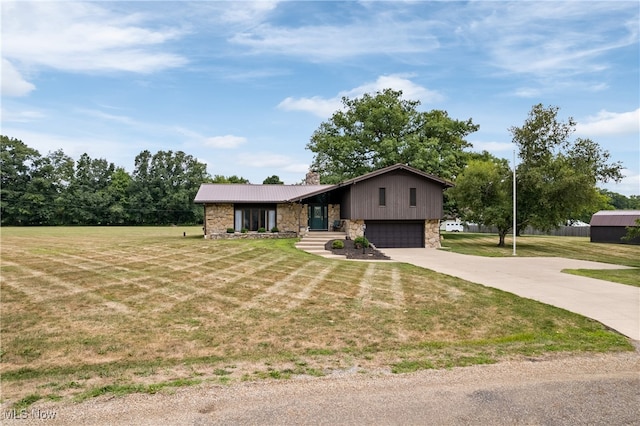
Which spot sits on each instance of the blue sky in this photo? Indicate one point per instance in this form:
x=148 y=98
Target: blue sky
x=242 y=86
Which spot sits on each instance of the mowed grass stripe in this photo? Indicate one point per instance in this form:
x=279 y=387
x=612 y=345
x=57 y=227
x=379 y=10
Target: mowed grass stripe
x=187 y=307
x=310 y=286
x=274 y=294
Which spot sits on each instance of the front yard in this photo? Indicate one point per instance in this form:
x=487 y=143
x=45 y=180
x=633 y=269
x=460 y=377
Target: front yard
x=89 y=311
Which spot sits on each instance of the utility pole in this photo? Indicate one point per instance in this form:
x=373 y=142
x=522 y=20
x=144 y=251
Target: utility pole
x=514 y=202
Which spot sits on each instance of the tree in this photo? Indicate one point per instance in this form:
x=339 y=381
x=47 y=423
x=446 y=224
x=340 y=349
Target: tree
x=272 y=180
x=163 y=187
x=633 y=232
x=380 y=130
x=484 y=193
x=620 y=201
x=556 y=178
x=87 y=199
x=230 y=179
x=17 y=163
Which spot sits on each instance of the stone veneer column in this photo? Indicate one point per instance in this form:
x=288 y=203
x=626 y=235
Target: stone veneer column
x=218 y=217
x=291 y=217
x=354 y=228
x=334 y=214
x=432 y=233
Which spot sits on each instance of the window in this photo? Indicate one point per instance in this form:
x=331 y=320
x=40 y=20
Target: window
x=412 y=197
x=254 y=217
x=382 y=197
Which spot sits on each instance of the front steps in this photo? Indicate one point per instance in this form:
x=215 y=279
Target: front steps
x=313 y=242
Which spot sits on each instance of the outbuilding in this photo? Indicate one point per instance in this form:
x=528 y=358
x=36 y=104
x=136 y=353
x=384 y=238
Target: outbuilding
x=610 y=226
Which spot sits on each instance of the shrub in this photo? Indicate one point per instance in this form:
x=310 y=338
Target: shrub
x=361 y=242
x=275 y=229
x=230 y=230
x=244 y=230
x=262 y=230
x=337 y=244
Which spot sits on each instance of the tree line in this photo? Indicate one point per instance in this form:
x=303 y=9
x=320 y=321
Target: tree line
x=53 y=189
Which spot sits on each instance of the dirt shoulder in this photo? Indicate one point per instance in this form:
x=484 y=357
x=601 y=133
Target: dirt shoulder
x=594 y=389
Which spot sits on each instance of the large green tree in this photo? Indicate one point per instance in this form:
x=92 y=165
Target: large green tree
x=164 y=185
x=228 y=179
x=273 y=180
x=557 y=176
x=483 y=193
x=375 y=131
x=87 y=198
x=17 y=163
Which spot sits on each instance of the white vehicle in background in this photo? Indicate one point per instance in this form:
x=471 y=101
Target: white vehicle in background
x=452 y=226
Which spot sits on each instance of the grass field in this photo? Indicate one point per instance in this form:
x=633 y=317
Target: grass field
x=89 y=311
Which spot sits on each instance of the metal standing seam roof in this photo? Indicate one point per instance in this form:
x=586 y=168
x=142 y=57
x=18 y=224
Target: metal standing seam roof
x=615 y=218
x=248 y=193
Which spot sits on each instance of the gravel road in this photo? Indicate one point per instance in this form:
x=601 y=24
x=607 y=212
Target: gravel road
x=587 y=389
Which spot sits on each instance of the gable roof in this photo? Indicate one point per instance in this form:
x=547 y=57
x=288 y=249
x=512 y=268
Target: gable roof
x=444 y=183
x=397 y=167
x=248 y=193
x=615 y=218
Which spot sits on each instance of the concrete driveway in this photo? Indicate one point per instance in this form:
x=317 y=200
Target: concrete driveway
x=539 y=278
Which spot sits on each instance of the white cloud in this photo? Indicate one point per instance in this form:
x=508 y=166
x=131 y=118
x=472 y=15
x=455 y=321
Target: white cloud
x=323 y=107
x=74 y=36
x=247 y=11
x=630 y=184
x=13 y=84
x=338 y=42
x=225 y=142
x=527 y=92
x=315 y=105
x=20 y=116
x=551 y=40
x=610 y=123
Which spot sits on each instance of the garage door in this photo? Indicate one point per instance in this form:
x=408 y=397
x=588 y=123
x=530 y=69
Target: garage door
x=391 y=234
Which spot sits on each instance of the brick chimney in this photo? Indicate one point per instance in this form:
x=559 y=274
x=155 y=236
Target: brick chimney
x=312 y=178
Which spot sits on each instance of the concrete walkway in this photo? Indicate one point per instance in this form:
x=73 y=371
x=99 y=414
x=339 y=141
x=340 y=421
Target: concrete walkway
x=539 y=278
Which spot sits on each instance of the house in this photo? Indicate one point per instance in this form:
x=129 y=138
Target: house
x=609 y=226
x=397 y=206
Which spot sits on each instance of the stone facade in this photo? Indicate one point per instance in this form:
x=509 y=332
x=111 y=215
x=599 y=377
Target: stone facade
x=291 y=217
x=334 y=214
x=251 y=235
x=218 y=217
x=432 y=233
x=354 y=228
x=312 y=178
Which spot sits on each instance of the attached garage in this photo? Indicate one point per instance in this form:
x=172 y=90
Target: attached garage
x=395 y=234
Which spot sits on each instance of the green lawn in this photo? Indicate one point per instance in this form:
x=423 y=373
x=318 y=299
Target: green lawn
x=536 y=246
x=621 y=276
x=92 y=311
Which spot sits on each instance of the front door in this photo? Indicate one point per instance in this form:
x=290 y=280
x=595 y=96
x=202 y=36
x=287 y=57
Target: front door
x=318 y=217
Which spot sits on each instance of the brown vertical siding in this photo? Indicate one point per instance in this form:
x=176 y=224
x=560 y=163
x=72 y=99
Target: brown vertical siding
x=363 y=203
x=345 y=205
